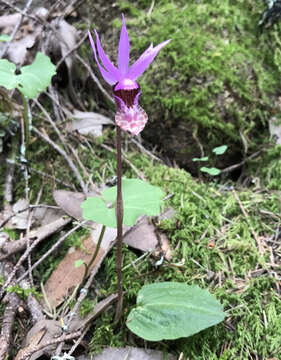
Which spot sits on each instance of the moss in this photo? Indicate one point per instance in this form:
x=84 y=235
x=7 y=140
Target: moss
x=231 y=268
x=207 y=213
x=217 y=79
x=269 y=174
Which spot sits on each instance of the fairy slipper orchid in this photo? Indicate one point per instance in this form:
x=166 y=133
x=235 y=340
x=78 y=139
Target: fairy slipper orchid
x=129 y=116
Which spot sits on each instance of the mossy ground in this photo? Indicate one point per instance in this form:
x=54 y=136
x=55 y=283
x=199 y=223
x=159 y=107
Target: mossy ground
x=213 y=246
x=216 y=82
x=220 y=76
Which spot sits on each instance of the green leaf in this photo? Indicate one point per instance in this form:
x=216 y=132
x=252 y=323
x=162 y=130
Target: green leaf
x=5 y=38
x=205 y=158
x=139 y=198
x=211 y=171
x=170 y=310
x=220 y=149
x=7 y=74
x=95 y=209
x=36 y=77
x=33 y=79
x=78 y=263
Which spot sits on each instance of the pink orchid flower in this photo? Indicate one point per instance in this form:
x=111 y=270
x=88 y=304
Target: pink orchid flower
x=129 y=116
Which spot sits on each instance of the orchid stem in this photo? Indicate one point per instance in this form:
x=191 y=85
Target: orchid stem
x=119 y=220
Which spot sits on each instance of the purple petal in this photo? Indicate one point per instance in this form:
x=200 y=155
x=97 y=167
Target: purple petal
x=108 y=77
x=144 y=60
x=124 y=49
x=105 y=60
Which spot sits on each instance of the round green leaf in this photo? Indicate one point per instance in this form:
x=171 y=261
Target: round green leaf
x=5 y=38
x=171 y=310
x=139 y=198
x=95 y=209
x=79 y=263
x=7 y=74
x=36 y=77
x=210 y=171
x=220 y=150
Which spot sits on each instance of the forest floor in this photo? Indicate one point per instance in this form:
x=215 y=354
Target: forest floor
x=215 y=232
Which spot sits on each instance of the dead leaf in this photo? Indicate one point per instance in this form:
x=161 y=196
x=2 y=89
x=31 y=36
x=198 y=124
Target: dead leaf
x=63 y=41
x=9 y=20
x=70 y=202
x=144 y=237
x=19 y=221
x=45 y=215
x=66 y=276
x=130 y=353
x=42 y=332
x=88 y=123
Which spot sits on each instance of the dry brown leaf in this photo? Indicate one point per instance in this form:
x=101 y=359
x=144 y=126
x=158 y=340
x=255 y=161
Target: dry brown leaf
x=70 y=202
x=43 y=331
x=88 y=123
x=145 y=237
x=66 y=276
x=64 y=40
x=130 y=353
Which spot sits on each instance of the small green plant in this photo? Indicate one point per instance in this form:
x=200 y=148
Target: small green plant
x=23 y=293
x=213 y=171
x=30 y=82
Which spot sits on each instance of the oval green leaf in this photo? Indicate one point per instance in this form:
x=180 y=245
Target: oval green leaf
x=170 y=310
x=220 y=149
x=139 y=198
x=211 y=171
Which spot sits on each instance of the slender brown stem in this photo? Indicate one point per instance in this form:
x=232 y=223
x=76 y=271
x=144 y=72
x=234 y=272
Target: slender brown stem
x=119 y=220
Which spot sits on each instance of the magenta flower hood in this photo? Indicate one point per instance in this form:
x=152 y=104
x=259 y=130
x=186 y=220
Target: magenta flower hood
x=129 y=116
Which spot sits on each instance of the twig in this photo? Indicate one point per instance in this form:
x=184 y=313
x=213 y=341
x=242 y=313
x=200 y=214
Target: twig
x=95 y=79
x=8 y=317
x=25 y=354
x=20 y=11
x=42 y=173
x=236 y=166
x=46 y=138
x=145 y=151
x=16 y=28
x=127 y=161
x=40 y=234
x=10 y=171
x=33 y=305
x=76 y=47
x=78 y=341
x=4 y=222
